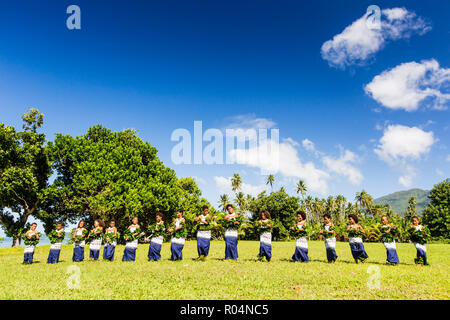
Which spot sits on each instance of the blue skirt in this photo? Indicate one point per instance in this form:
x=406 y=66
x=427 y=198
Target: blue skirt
x=108 y=252
x=231 y=251
x=177 y=251
x=28 y=258
x=421 y=257
x=300 y=254
x=331 y=255
x=129 y=254
x=53 y=256
x=154 y=252
x=358 y=251
x=203 y=246
x=265 y=250
x=94 y=254
x=78 y=254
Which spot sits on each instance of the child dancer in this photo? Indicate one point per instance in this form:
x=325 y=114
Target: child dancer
x=179 y=234
x=31 y=239
x=300 y=231
x=110 y=238
x=418 y=235
x=79 y=236
x=203 y=234
x=329 y=236
x=388 y=239
x=265 y=238
x=355 y=232
x=132 y=235
x=56 y=240
x=96 y=236
x=157 y=234
x=231 y=234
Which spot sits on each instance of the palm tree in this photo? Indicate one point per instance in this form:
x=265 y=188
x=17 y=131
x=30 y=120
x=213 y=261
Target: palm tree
x=318 y=207
x=236 y=182
x=411 y=210
x=240 y=200
x=341 y=202
x=270 y=180
x=224 y=200
x=308 y=204
x=301 y=188
x=365 y=200
x=331 y=205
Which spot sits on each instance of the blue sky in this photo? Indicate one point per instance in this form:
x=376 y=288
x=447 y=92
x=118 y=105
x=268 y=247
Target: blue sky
x=156 y=66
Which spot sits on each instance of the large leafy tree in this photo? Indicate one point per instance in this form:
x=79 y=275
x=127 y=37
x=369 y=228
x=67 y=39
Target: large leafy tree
x=111 y=175
x=437 y=213
x=364 y=199
x=24 y=172
x=282 y=208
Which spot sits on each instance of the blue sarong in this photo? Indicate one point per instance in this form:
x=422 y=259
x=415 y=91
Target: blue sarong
x=330 y=246
x=421 y=253
x=154 y=250
x=265 y=245
x=78 y=251
x=357 y=248
x=203 y=242
x=231 y=243
x=53 y=255
x=129 y=254
x=28 y=254
x=176 y=247
x=391 y=252
x=301 y=250
x=108 y=252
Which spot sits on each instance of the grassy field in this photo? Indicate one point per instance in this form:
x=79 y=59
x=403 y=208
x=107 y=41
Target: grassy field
x=219 y=279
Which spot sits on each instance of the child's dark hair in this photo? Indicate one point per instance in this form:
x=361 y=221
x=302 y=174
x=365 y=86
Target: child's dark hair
x=415 y=217
x=180 y=210
x=33 y=224
x=101 y=223
x=205 y=207
x=327 y=215
x=354 y=217
x=159 y=214
x=81 y=222
x=229 y=206
x=302 y=213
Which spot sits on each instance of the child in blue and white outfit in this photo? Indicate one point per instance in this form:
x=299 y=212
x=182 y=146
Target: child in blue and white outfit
x=178 y=238
x=29 y=248
x=110 y=247
x=301 y=244
x=388 y=240
x=231 y=236
x=265 y=237
x=129 y=253
x=203 y=235
x=355 y=239
x=55 y=248
x=329 y=237
x=79 y=236
x=154 y=250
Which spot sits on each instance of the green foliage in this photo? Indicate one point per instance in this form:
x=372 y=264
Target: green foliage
x=111 y=175
x=24 y=172
x=328 y=234
x=180 y=233
x=33 y=240
x=354 y=233
x=266 y=226
x=233 y=223
x=110 y=237
x=303 y=231
x=129 y=235
x=282 y=208
x=95 y=234
x=156 y=230
x=204 y=227
x=55 y=236
x=420 y=236
x=388 y=236
x=79 y=238
x=437 y=214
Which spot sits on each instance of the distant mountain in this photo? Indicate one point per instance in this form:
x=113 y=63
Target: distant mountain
x=399 y=200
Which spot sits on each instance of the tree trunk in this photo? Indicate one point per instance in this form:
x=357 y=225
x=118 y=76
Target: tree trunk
x=16 y=242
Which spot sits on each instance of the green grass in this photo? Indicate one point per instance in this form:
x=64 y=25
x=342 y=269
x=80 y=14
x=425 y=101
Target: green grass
x=218 y=279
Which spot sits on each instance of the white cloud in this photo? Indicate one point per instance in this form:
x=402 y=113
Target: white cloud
x=448 y=158
x=406 y=180
x=342 y=166
x=358 y=43
x=249 y=121
x=408 y=84
x=308 y=145
x=401 y=142
x=286 y=161
x=224 y=186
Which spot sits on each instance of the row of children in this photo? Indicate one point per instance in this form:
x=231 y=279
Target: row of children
x=231 y=223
